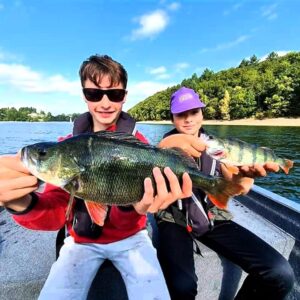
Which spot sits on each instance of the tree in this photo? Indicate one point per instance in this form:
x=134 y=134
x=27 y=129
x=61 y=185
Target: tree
x=253 y=60
x=278 y=103
x=272 y=56
x=207 y=74
x=224 y=106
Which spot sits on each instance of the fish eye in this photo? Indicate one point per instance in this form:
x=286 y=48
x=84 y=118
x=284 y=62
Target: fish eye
x=42 y=152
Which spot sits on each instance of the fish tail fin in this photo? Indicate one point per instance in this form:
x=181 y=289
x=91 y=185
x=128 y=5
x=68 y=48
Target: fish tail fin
x=96 y=211
x=288 y=164
x=224 y=190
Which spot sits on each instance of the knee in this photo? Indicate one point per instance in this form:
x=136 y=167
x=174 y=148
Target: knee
x=183 y=288
x=282 y=275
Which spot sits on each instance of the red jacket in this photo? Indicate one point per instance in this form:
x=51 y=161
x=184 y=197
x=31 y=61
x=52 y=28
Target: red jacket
x=49 y=211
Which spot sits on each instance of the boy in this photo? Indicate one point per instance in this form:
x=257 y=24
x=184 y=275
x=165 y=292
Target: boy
x=122 y=238
x=270 y=275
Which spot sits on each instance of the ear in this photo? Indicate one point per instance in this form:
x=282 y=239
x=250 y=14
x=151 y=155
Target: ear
x=125 y=98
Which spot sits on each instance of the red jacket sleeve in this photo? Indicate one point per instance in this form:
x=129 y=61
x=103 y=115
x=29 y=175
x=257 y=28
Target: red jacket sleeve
x=48 y=212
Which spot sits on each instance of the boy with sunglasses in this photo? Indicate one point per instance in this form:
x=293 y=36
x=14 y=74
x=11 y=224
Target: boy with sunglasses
x=123 y=238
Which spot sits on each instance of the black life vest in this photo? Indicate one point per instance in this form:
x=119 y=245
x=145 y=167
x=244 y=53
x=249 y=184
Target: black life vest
x=194 y=214
x=82 y=222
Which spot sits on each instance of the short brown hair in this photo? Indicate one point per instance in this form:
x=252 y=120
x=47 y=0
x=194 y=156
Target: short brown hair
x=97 y=66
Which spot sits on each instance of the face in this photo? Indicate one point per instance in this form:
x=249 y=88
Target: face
x=188 y=122
x=105 y=112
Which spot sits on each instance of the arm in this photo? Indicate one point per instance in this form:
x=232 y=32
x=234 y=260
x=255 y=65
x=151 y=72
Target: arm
x=16 y=183
x=32 y=210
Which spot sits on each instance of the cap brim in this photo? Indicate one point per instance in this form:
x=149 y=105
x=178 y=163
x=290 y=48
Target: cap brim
x=181 y=109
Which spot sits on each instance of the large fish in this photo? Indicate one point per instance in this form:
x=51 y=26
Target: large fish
x=110 y=168
x=238 y=153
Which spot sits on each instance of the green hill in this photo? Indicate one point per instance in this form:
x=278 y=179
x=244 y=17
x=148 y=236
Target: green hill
x=269 y=88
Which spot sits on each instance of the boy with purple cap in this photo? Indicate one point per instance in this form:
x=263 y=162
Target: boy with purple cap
x=185 y=99
x=269 y=274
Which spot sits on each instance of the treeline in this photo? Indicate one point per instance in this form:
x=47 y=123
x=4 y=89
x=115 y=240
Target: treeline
x=260 y=89
x=30 y=114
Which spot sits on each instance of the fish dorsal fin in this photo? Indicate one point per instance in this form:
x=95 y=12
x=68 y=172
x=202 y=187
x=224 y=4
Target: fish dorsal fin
x=121 y=136
x=189 y=160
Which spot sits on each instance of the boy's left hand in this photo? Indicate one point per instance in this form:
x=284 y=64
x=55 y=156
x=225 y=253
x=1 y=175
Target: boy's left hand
x=152 y=203
x=191 y=145
x=243 y=174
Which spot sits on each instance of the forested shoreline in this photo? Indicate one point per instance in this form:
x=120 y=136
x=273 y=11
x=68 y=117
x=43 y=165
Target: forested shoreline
x=30 y=114
x=259 y=89
x=255 y=89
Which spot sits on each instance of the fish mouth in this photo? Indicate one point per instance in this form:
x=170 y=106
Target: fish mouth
x=24 y=156
x=27 y=159
x=218 y=153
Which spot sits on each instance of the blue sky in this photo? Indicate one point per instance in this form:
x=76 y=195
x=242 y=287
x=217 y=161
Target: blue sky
x=43 y=43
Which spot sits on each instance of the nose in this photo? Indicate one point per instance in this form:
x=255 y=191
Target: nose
x=105 y=102
x=188 y=118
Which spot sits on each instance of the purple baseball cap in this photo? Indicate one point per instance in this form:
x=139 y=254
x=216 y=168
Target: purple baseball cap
x=185 y=99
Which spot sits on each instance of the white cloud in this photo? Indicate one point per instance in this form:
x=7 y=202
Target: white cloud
x=138 y=91
x=158 y=70
x=269 y=12
x=181 y=66
x=24 y=79
x=232 y=9
x=6 y=56
x=174 y=6
x=227 y=45
x=159 y=73
x=150 y=25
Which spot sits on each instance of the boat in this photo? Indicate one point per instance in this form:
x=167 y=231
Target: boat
x=26 y=256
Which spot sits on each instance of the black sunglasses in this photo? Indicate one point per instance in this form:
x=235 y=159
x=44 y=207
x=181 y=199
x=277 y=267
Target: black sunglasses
x=95 y=95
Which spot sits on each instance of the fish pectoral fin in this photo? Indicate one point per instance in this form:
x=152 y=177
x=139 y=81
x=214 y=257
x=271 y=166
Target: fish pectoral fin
x=97 y=211
x=233 y=169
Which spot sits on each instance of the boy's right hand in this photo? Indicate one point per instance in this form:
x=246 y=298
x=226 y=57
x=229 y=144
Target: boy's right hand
x=16 y=183
x=192 y=145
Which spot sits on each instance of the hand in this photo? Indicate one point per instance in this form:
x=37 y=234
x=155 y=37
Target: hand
x=15 y=183
x=192 y=145
x=258 y=170
x=152 y=203
x=245 y=175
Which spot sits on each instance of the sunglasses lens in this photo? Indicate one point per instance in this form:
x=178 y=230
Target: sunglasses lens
x=116 y=95
x=93 y=95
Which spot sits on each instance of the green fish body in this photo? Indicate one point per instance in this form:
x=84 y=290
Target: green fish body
x=239 y=153
x=110 y=168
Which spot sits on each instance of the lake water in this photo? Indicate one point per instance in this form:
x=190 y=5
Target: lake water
x=284 y=140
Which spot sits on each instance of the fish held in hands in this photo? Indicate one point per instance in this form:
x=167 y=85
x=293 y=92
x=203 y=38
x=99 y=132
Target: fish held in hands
x=109 y=168
x=239 y=153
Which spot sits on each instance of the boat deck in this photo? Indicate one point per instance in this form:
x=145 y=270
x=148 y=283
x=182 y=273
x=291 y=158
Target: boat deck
x=26 y=256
